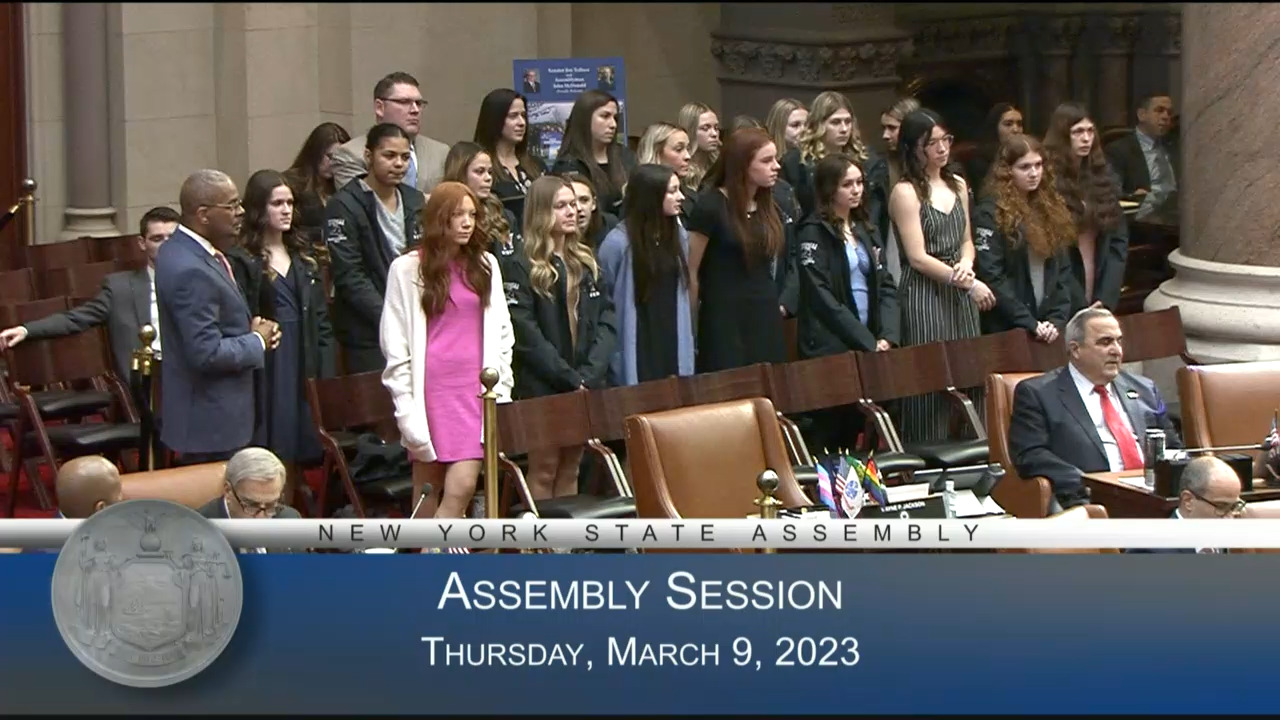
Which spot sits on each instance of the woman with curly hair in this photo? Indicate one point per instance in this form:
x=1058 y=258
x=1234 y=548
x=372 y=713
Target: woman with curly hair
x=1086 y=182
x=1022 y=230
x=830 y=129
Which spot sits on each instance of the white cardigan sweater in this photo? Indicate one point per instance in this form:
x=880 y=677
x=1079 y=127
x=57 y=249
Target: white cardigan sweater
x=403 y=336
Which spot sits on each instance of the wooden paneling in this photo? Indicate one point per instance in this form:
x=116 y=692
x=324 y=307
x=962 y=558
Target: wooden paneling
x=13 y=140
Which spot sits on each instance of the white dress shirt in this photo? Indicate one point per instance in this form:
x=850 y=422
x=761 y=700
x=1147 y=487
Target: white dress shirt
x=155 y=309
x=1093 y=404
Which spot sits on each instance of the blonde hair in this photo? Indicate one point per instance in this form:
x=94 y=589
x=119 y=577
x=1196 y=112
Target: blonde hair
x=654 y=141
x=701 y=161
x=539 y=243
x=776 y=122
x=812 y=147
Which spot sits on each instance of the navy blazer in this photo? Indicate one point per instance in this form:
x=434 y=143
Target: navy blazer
x=209 y=351
x=1051 y=434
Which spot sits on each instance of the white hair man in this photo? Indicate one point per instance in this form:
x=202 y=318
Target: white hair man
x=1090 y=416
x=253 y=489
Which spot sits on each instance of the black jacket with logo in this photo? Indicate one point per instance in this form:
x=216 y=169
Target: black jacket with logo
x=828 y=320
x=545 y=361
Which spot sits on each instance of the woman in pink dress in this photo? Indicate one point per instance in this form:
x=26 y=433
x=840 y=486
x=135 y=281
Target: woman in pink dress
x=444 y=319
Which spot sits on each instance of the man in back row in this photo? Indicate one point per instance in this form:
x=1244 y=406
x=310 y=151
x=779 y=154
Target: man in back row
x=397 y=99
x=126 y=302
x=1090 y=416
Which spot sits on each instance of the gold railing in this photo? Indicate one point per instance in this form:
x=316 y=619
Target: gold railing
x=144 y=387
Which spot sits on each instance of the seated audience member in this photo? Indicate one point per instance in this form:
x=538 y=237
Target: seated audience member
x=1145 y=159
x=1085 y=181
x=644 y=268
x=370 y=222
x=126 y=302
x=1090 y=416
x=470 y=164
x=1022 y=230
x=502 y=129
x=311 y=179
x=591 y=148
x=397 y=99
x=253 y=490
x=1210 y=490
x=86 y=485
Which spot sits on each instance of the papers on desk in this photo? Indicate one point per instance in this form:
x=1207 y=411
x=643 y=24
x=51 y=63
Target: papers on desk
x=1138 y=481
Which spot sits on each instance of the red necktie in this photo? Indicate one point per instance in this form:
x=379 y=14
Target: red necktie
x=225 y=265
x=1128 y=446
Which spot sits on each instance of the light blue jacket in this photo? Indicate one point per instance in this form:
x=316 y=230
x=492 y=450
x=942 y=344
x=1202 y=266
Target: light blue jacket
x=614 y=256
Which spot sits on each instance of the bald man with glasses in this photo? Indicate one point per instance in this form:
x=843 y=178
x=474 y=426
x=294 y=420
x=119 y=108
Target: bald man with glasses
x=1210 y=491
x=397 y=99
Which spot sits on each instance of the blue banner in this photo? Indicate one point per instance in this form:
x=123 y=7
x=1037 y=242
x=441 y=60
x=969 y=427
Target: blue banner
x=787 y=634
x=551 y=86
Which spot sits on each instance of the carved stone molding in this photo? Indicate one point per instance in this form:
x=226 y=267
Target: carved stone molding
x=1122 y=31
x=1173 y=24
x=958 y=38
x=853 y=63
x=1062 y=33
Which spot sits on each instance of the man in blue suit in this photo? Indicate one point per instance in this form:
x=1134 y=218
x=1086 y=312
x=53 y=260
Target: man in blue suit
x=212 y=345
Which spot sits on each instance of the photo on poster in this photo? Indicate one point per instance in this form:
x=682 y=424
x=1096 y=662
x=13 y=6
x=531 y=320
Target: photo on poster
x=551 y=86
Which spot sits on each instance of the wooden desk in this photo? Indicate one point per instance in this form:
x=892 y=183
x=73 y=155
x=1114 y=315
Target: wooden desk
x=1122 y=498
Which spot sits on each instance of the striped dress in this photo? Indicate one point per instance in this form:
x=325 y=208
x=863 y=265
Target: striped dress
x=932 y=312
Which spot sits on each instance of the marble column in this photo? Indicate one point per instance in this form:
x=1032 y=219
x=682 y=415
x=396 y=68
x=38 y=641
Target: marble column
x=1227 y=270
x=84 y=47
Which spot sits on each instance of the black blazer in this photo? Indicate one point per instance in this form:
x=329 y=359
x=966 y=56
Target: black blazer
x=1111 y=252
x=1007 y=272
x=827 y=321
x=361 y=257
x=1130 y=164
x=317 y=333
x=123 y=305
x=1051 y=434
x=608 y=199
x=545 y=361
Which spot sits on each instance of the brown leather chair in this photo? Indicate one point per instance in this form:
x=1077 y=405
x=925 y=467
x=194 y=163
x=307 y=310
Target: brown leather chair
x=1020 y=497
x=703 y=461
x=1231 y=404
x=192 y=485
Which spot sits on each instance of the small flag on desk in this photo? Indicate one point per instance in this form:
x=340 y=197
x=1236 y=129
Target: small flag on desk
x=868 y=475
x=824 y=487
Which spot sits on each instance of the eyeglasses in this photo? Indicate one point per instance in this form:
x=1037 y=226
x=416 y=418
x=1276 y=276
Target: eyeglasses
x=233 y=205
x=406 y=102
x=255 y=509
x=1224 y=508
x=944 y=140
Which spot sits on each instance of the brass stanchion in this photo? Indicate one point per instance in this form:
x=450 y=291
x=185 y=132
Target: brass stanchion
x=768 y=504
x=29 y=199
x=142 y=365
x=489 y=379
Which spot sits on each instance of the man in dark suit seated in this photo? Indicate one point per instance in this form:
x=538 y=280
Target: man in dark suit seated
x=126 y=302
x=1210 y=490
x=212 y=344
x=1089 y=416
x=1146 y=160
x=254 y=490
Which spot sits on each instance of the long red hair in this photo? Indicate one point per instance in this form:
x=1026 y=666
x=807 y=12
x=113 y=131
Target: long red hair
x=435 y=256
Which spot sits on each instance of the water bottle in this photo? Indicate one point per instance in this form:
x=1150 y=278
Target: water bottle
x=949 y=499
x=1154 y=452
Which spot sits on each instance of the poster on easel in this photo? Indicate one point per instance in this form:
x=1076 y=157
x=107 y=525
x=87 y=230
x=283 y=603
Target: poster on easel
x=551 y=86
